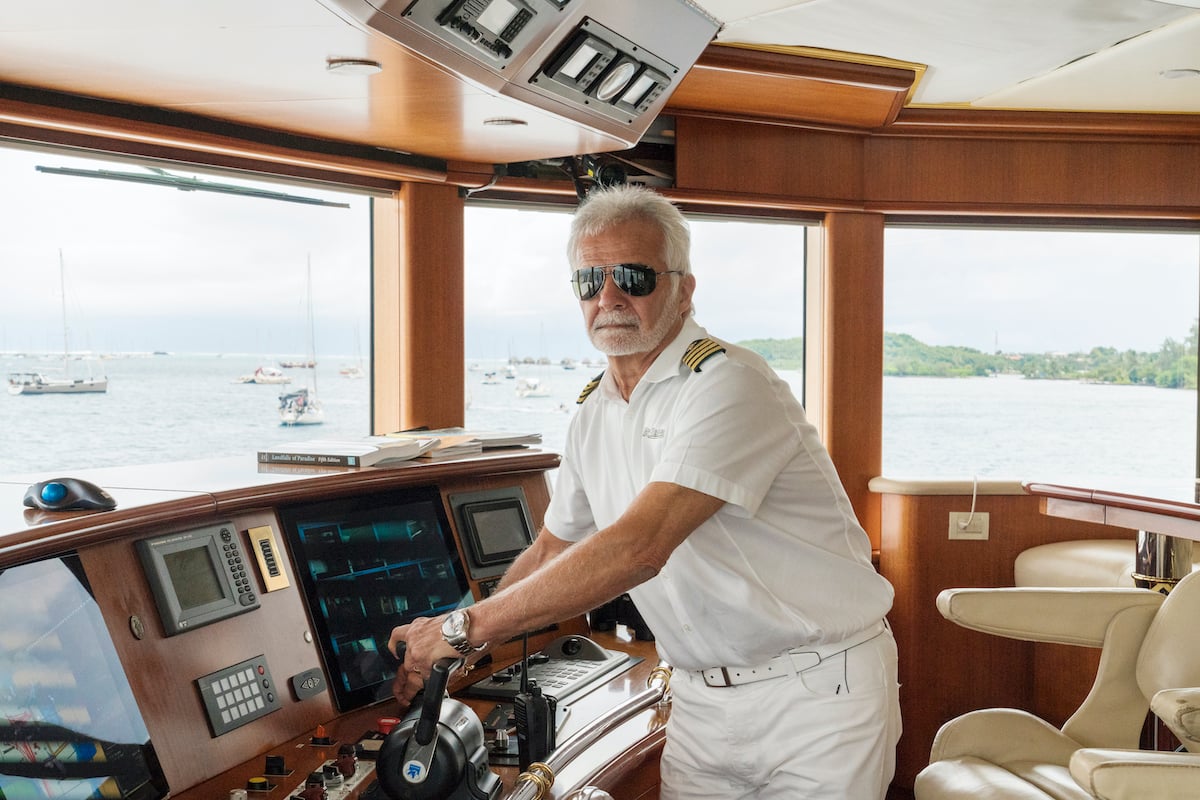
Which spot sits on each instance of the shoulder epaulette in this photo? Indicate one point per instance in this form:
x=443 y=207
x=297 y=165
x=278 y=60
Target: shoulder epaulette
x=591 y=387
x=700 y=351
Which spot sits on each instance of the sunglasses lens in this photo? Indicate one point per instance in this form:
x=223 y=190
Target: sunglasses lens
x=634 y=279
x=587 y=282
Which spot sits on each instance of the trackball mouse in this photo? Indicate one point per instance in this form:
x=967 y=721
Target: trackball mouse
x=68 y=494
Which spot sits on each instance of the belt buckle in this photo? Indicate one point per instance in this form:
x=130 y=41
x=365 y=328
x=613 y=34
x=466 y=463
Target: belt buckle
x=712 y=681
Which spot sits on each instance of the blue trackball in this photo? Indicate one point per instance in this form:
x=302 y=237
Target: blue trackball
x=54 y=492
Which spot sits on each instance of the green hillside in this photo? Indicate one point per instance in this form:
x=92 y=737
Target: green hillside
x=1173 y=365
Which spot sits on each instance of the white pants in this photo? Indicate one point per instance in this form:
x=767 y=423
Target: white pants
x=828 y=733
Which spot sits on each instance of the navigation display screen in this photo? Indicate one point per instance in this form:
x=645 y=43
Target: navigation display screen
x=69 y=725
x=366 y=566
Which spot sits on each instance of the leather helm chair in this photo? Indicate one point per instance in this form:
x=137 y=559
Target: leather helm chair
x=1150 y=650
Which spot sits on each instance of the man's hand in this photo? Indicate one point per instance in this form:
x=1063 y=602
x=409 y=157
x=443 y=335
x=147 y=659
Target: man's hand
x=423 y=645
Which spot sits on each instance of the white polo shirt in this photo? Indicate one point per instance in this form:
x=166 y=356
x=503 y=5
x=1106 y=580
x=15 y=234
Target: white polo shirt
x=782 y=564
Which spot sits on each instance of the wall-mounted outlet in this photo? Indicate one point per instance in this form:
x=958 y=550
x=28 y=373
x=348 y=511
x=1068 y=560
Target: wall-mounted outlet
x=968 y=525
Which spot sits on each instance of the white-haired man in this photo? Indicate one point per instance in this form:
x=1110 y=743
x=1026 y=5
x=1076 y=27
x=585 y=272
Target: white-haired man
x=692 y=480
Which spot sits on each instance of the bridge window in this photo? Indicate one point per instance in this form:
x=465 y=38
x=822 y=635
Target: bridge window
x=523 y=322
x=177 y=285
x=1049 y=355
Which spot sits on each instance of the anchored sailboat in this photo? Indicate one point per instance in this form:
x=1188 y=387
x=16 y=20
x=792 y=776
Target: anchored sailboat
x=40 y=383
x=302 y=407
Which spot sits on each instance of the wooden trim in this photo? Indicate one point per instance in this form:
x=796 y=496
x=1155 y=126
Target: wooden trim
x=786 y=87
x=1073 y=125
x=127 y=129
x=386 y=269
x=418 y=354
x=852 y=357
x=432 y=317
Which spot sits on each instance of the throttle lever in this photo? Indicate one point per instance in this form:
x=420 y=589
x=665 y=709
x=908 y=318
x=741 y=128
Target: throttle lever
x=431 y=703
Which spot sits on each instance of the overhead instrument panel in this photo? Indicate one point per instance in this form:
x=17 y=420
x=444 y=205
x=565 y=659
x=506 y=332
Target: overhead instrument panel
x=606 y=65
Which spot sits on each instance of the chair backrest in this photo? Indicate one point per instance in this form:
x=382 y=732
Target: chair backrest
x=1170 y=653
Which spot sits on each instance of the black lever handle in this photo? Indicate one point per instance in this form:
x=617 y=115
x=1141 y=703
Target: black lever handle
x=431 y=704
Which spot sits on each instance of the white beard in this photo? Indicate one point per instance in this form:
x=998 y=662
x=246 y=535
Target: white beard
x=628 y=337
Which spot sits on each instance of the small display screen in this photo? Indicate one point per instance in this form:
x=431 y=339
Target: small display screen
x=500 y=530
x=366 y=566
x=579 y=61
x=69 y=725
x=637 y=90
x=194 y=577
x=198 y=577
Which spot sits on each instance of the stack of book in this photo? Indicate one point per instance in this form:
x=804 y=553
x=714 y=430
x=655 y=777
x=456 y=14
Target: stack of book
x=372 y=451
x=455 y=442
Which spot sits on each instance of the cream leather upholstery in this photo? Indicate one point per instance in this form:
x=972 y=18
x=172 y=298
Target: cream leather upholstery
x=1149 y=645
x=1081 y=562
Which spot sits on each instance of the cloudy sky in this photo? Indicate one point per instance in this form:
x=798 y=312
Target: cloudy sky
x=150 y=268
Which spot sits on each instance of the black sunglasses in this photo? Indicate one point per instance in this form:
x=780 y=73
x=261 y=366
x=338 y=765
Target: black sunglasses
x=635 y=280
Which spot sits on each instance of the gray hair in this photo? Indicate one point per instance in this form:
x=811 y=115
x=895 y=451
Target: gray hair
x=606 y=206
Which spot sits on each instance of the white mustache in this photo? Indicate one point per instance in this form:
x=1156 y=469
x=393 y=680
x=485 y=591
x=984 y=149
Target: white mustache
x=614 y=318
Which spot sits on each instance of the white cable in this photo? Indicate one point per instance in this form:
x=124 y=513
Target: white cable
x=963 y=523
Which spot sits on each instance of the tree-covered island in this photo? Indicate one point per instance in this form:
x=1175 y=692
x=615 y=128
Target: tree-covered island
x=1173 y=366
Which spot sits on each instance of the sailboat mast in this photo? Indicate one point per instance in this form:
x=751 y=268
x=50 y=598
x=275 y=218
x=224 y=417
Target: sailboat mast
x=62 y=294
x=312 y=339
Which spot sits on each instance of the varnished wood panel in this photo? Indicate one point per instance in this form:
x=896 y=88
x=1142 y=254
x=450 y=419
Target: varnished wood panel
x=432 y=338
x=734 y=158
x=948 y=173
x=1068 y=177
x=418 y=356
x=852 y=356
x=946 y=670
x=740 y=83
x=162 y=670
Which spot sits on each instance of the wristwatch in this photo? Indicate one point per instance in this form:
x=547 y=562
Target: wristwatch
x=455 y=631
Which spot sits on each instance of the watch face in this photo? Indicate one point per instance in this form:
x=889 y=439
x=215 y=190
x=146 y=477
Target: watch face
x=455 y=625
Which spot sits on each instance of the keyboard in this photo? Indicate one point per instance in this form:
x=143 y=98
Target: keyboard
x=565 y=668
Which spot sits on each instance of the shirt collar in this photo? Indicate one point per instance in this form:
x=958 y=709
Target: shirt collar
x=668 y=363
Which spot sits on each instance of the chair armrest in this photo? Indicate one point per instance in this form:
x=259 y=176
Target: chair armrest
x=1136 y=774
x=1179 y=709
x=1062 y=615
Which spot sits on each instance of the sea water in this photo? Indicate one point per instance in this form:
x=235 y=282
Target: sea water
x=162 y=408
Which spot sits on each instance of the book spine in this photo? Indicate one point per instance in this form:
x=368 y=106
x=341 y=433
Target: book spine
x=309 y=459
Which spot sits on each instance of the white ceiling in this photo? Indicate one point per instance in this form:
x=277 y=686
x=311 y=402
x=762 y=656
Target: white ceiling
x=263 y=63
x=1093 y=55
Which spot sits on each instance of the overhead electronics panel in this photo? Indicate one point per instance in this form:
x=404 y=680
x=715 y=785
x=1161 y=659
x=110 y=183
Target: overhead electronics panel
x=609 y=65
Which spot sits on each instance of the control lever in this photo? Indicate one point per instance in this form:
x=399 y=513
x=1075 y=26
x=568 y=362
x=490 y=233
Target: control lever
x=431 y=702
x=437 y=751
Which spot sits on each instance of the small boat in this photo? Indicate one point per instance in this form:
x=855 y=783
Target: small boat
x=352 y=372
x=298 y=408
x=298 y=364
x=37 y=383
x=531 y=387
x=302 y=407
x=490 y=378
x=265 y=375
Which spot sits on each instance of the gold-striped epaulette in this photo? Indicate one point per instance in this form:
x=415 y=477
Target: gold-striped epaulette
x=591 y=387
x=700 y=351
